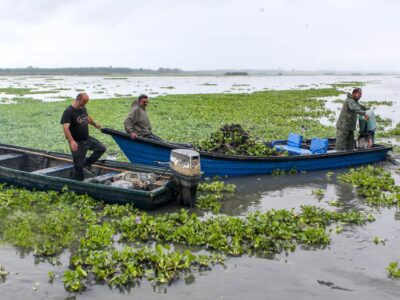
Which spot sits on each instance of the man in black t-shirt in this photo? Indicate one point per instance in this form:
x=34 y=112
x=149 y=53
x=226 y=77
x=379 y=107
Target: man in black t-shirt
x=75 y=120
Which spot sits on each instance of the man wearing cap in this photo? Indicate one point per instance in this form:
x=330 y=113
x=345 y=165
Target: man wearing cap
x=347 y=121
x=137 y=122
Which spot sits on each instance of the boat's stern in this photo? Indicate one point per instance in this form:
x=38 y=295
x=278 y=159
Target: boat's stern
x=185 y=165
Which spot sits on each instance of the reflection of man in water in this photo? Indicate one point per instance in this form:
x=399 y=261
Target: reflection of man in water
x=75 y=120
x=137 y=122
x=347 y=121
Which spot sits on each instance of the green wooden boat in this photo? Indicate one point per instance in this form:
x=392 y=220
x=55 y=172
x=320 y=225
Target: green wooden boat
x=35 y=169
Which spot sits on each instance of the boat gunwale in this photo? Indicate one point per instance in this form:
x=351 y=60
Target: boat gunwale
x=105 y=162
x=247 y=158
x=153 y=193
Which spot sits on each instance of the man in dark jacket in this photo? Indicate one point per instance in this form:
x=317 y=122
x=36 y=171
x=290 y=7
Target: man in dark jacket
x=347 y=121
x=75 y=120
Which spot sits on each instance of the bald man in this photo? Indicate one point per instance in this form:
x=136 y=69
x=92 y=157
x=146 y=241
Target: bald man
x=75 y=120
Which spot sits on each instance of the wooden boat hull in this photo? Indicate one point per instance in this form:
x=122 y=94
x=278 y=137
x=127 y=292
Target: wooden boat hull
x=115 y=195
x=150 y=152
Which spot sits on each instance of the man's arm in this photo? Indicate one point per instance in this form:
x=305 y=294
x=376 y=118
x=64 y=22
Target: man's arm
x=356 y=107
x=68 y=135
x=363 y=107
x=130 y=122
x=93 y=123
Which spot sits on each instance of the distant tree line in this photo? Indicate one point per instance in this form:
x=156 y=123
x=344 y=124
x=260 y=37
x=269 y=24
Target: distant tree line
x=236 y=73
x=103 y=71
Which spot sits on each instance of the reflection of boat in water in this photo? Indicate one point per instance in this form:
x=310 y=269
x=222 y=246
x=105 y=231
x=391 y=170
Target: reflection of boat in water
x=114 y=182
x=151 y=152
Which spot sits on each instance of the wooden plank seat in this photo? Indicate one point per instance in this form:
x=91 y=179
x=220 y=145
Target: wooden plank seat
x=9 y=156
x=54 y=169
x=101 y=178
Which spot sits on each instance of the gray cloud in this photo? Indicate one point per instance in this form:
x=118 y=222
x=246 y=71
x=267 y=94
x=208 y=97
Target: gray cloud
x=307 y=34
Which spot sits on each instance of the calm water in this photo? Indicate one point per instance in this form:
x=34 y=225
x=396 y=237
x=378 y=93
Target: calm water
x=352 y=267
x=378 y=88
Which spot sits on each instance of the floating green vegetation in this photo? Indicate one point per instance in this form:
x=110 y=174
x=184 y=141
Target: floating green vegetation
x=3 y=274
x=186 y=118
x=394 y=270
x=394 y=132
x=335 y=203
x=208 y=84
x=232 y=139
x=378 y=103
x=374 y=184
x=47 y=229
x=383 y=122
x=21 y=100
x=340 y=101
x=59 y=89
x=240 y=84
x=318 y=193
x=168 y=87
x=100 y=237
x=347 y=84
x=378 y=241
x=15 y=91
x=23 y=91
x=278 y=172
x=216 y=187
x=271 y=232
x=210 y=195
x=119 y=95
x=368 y=103
x=34 y=92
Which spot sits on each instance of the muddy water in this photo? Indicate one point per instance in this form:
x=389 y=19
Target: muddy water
x=351 y=267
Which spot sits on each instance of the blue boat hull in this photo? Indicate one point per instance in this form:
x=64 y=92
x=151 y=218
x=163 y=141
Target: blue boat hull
x=148 y=152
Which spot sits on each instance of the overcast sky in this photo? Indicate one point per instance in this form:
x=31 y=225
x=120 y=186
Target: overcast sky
x=359 y=35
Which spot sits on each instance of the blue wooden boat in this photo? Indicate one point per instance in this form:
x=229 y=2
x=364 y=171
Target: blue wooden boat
x=151 y=152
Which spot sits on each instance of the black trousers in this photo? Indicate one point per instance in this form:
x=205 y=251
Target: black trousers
x=79 y=156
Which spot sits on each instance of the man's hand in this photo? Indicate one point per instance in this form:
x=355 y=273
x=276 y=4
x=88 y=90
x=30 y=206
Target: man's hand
x=73 y=145
x=98 y=126
x=366 y=117
x=133 y=135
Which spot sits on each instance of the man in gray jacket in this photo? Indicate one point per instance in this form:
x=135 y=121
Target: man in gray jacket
x=137 y=122
x=347 y=121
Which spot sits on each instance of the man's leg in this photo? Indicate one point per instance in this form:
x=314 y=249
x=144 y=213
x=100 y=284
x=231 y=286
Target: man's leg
x=98 y=150
x=350 y=140
x=78 y=157
x=341 y=139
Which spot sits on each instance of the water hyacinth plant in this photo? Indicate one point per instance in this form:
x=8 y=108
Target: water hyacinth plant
x=374 y=184
x=211 y=194
x=232 y=139
x=52 y=222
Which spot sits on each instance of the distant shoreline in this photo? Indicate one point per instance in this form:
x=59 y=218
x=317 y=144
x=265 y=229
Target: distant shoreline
x=128 y=72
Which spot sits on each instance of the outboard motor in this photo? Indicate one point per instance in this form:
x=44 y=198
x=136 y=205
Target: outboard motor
x=185 y=164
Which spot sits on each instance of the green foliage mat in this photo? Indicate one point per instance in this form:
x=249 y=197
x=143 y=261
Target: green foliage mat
x=185 y=118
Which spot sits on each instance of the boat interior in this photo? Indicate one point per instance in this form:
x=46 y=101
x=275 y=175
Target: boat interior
x=100 y=173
